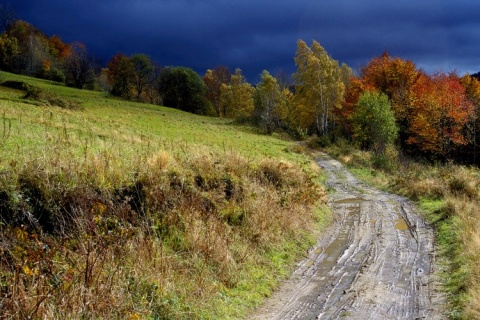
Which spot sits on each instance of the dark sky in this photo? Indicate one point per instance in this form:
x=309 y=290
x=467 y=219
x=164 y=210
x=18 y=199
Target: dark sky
x=438 y=35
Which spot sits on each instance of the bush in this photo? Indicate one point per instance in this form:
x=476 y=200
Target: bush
x=374 y=123
x=387 y=160
x=37 y=94
x=18 y=85
x=56 y=75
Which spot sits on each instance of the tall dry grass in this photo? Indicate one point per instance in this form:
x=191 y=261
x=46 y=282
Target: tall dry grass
x=157 y=234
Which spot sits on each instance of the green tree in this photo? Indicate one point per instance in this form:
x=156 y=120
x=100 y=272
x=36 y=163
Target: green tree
x=374 y=123
x=268 y=102
x=142 y=72
x=182 y=88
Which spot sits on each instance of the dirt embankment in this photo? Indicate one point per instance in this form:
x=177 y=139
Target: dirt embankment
x=376 y=262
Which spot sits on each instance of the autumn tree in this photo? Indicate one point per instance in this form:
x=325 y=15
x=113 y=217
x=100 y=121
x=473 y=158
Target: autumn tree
x=440 y=112
x=182 y=88
x=120 y=73
x=214 y=79
x=9 y=49
x=319 y=87
x=472 y=91
x=374 y=124
x=237 y=97
x=79 y=67
x=268 y=100
x=58 y=48
x=32 y=48
x=392 y=76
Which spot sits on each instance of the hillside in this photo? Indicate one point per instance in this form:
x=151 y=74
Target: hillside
x=113 y=209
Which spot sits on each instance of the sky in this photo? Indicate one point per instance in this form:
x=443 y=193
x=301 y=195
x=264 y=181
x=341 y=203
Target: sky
x=257 y=35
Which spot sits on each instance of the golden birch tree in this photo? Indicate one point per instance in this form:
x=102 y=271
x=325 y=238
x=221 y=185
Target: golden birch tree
x=237 y=97
x=319 y=87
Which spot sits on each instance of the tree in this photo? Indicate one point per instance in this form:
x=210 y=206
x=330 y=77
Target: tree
x=395 y=77
x=440 y=112
x=79 y=66
x=374 y=121
x=268 y=102
x=32 y=48
x=58 y=48
x=284 y=79
x=214 y=79
x=319 y=87
x=472 y=91
x=142 y=72
x=120 y=73
x=8 y=51
x=182 y=88
x=237 y=97
x=151 y=90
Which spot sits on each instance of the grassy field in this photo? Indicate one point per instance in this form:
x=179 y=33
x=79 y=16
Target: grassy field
x=115 y=209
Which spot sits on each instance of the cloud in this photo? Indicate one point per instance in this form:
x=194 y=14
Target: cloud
x=257 y=35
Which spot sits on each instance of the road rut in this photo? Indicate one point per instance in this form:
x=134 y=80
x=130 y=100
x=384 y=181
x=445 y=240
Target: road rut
x=377 y=261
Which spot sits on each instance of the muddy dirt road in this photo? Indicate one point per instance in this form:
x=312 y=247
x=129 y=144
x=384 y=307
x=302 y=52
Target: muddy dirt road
x=376 y=262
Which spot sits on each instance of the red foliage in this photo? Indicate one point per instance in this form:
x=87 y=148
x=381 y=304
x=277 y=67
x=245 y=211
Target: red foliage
x=440 y=111
x=58 y=48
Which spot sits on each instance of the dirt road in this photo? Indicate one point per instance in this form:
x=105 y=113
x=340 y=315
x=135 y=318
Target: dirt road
x=376 y=262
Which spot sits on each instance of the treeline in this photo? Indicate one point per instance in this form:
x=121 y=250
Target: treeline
x=390 y=102
x=26 y=50
x=435 y=116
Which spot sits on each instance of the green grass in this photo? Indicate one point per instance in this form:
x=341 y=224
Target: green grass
x=107 y=121
x=455 y=270
x=227 y=211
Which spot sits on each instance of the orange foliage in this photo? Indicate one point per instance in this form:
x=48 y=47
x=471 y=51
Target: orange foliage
x=472 y=88
x=395 y=77
x=431 y=111
x=114 y=66
x=46 y=65
x=440 y=111
x=59 y=48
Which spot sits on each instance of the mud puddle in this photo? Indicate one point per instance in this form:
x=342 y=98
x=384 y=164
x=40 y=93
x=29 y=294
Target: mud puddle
x=375 y=262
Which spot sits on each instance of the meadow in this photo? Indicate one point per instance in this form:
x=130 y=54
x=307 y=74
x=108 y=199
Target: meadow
x=116 y=209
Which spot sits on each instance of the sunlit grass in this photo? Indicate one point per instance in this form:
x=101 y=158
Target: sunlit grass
x=159 y=213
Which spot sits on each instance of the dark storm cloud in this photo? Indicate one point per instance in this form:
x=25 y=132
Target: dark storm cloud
x=256 y=35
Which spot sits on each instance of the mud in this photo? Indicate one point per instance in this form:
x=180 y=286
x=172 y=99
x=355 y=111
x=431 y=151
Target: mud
x=377 y=261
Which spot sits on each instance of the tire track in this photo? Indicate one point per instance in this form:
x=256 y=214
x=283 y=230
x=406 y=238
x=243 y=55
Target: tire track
x=377 y=261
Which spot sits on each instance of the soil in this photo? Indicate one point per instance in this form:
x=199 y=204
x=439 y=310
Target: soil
x=377 y=261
